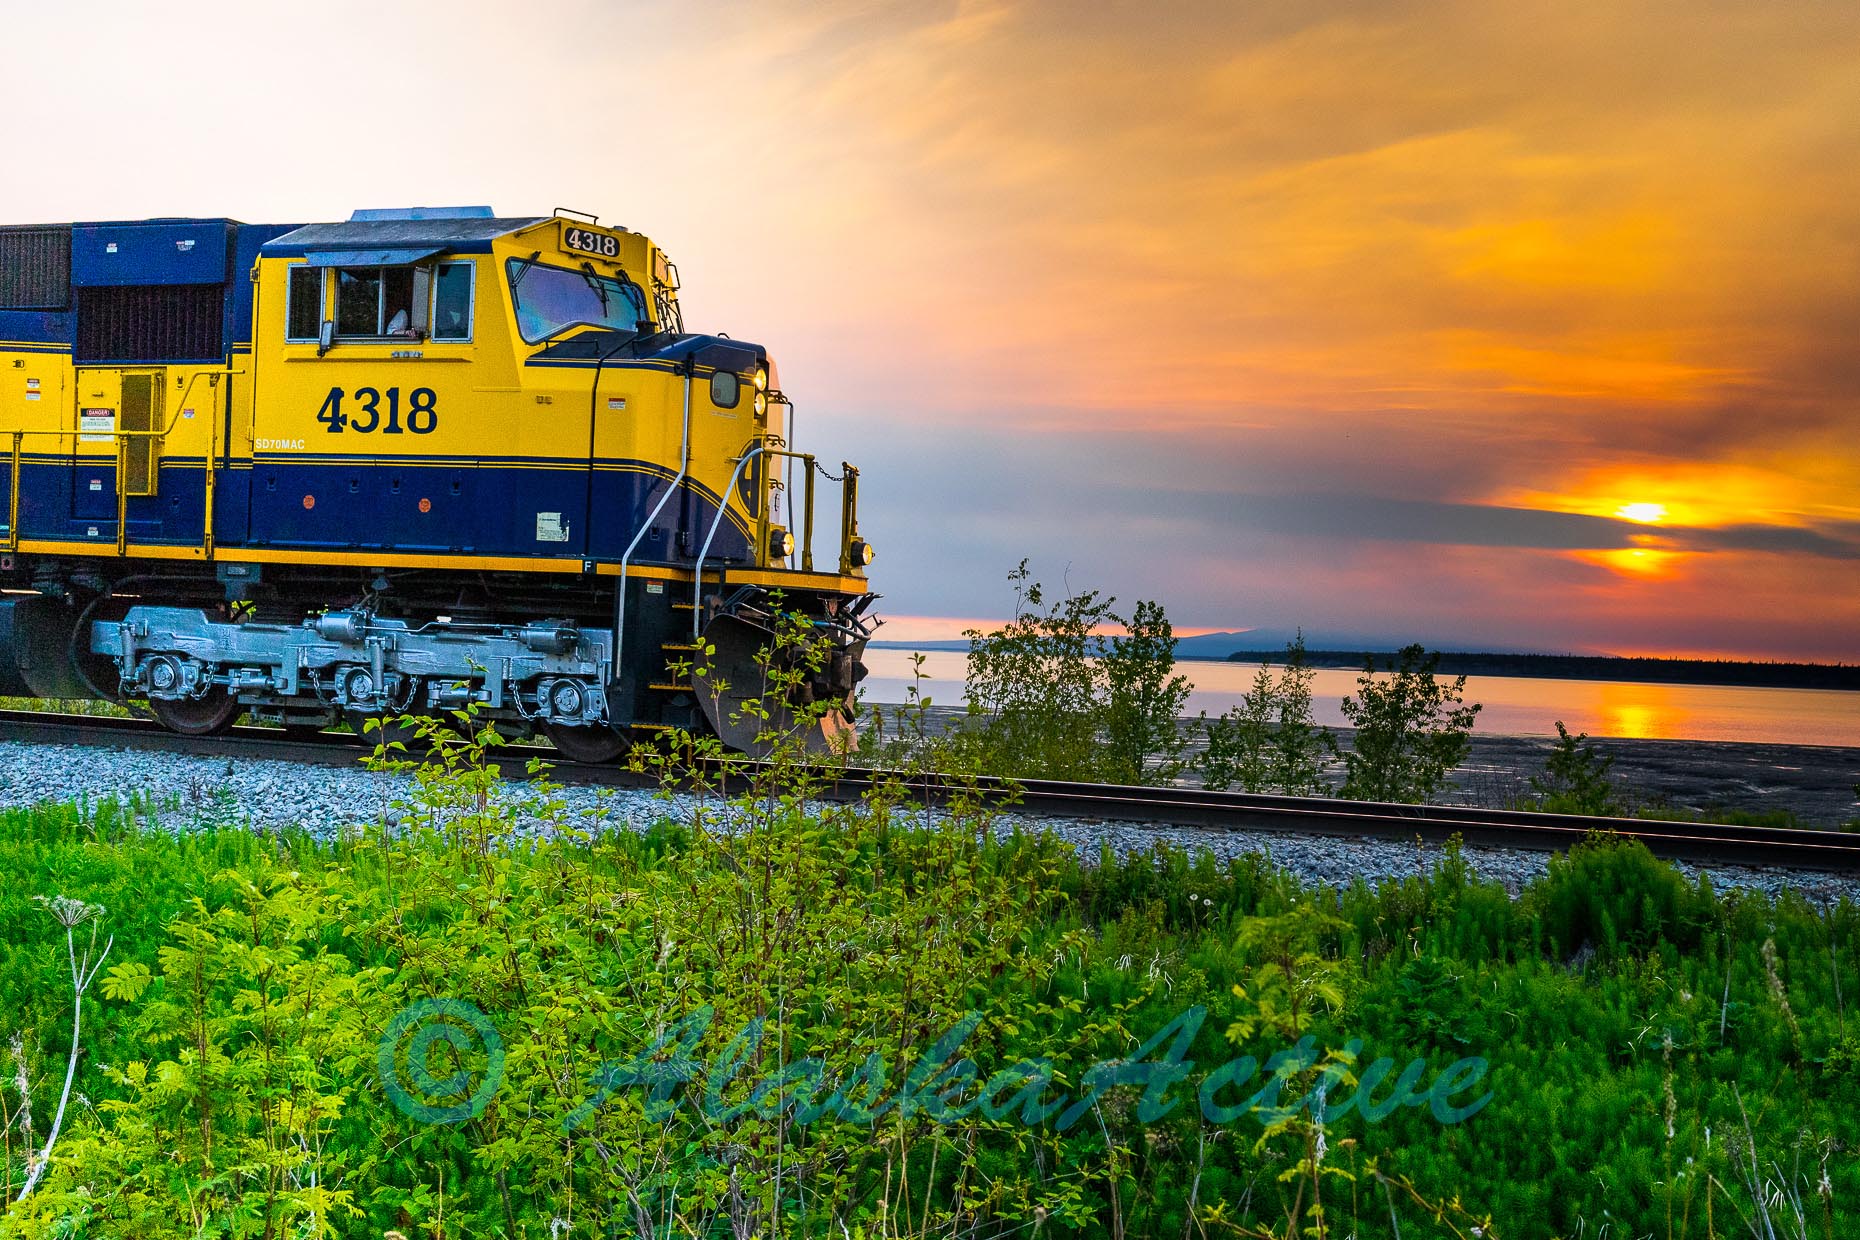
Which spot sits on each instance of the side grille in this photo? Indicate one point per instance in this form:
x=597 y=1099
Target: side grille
x=35 y=268
x=172 y=323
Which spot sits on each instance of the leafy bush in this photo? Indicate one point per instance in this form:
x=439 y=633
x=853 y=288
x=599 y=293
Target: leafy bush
x=1411 y=730
x=1051 y=697
x=1035 y=693
x=1269 y=743
x=1613 y=897
x=1575 y=778
x=1144 y=698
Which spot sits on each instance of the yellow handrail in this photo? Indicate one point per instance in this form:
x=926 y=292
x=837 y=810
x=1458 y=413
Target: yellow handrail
x=849 y=515
x=122 y=439
x=849 y=502
x=12 y=499
x=849 y=505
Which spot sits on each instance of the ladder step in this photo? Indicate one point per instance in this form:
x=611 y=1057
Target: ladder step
x=670 y=688
x=652 y=727
x=685 y=646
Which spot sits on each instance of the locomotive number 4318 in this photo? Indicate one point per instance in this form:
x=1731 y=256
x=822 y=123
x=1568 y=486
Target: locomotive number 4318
x=586 y=241
x=372 y=410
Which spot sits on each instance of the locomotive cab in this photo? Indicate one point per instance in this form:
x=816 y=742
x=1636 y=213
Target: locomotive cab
x=448 y=428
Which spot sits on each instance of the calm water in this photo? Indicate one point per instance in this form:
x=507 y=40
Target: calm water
x=1514 y=705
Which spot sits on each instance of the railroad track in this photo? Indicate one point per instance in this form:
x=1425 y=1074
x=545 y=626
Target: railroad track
x=1703 y=843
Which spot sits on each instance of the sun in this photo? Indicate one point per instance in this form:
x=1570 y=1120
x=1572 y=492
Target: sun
x=1644 y=512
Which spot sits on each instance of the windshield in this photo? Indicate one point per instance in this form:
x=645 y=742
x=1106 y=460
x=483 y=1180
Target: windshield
x=549 y=299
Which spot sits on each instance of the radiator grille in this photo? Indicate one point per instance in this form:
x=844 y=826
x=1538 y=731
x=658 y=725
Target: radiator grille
x=35 y=268
x=170 y=323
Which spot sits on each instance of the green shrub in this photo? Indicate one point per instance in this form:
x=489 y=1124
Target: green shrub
x=1269 y=743
x=1051 y=697
x=1613 y=897
x=1144 y=698
x=1411 y=730
x=1575 y=778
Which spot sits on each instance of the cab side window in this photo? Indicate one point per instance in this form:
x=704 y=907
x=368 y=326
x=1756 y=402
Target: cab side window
x=384 y=303
x=305 y=313
x=452 y=302
x=358 y=302
x=372 y=302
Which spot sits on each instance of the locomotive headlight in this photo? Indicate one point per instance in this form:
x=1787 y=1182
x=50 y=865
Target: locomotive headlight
x=862 y=553
x=781 y=544
x=762 y=379
x=762 y=404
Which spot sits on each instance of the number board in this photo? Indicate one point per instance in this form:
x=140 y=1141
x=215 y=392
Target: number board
x=581 y=240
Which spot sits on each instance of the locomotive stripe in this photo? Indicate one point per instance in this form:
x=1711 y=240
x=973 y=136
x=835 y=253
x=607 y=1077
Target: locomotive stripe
x=477 y=509
x=374 y=559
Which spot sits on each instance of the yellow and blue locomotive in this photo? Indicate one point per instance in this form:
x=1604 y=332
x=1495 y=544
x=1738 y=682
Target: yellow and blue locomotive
x=395 y=465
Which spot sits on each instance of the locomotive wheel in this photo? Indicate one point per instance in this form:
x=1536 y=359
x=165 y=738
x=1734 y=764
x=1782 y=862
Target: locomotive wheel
x=588 y=746
x=212 y=715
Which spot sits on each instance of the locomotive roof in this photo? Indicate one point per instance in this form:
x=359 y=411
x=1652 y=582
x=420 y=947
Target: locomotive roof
x=449 y=233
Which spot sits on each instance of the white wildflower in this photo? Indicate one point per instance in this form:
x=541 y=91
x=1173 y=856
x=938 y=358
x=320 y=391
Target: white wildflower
x=69 y=913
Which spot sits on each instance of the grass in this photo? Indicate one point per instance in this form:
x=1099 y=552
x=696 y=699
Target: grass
x=1665 y=1059
x=89 y=707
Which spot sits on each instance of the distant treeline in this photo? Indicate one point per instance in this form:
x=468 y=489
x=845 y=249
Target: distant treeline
x=1600 y=667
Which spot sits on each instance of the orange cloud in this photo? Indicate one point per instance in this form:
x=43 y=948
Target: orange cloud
x=1564 y=257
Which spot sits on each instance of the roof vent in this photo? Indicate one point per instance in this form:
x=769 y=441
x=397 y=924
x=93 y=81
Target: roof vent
x=383 y=214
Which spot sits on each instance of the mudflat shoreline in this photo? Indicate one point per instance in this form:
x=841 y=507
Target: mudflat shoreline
x=1813 y=782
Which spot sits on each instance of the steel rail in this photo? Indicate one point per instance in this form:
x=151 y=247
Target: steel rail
x=1697 y=842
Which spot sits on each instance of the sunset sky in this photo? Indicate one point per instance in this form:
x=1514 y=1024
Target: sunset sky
x=1484 y=324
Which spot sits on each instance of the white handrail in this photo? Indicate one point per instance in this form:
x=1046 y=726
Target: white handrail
x=684 y=470
x=697 y=584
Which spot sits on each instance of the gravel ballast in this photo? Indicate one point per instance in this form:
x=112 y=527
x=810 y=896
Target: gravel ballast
x=183 y=791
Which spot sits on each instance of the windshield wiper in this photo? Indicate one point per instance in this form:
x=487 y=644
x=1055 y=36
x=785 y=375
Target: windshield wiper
x=598 y=285
x=527 y=264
